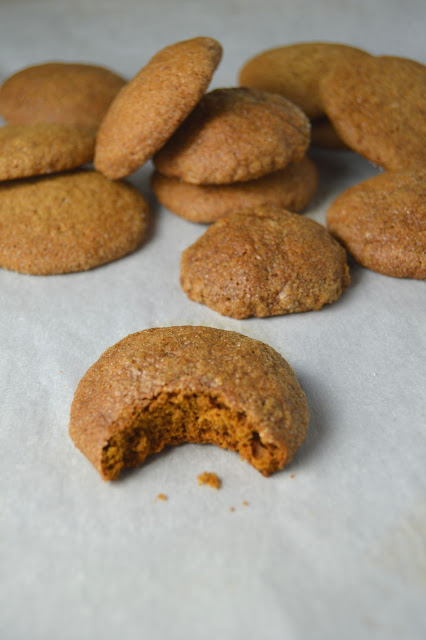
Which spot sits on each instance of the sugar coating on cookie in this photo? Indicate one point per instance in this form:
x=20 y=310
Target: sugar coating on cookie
x=382 y=223
x=291 y=188
x=153 y=104
x=34 y=149
x=294 y=71
x=264 y=262
x=68 y=222
x=377 y=107
x=168 y=386
x=67 y=92
x=233 y=135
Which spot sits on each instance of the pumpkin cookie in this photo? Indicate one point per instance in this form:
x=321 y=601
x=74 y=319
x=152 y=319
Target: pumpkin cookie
x=69 y=222
x=276 y=262
x=291 y=188
x=378 y=108
x=233 y=135
x=382 y=223
x=35 y=149
x=294 y=71
x=65 y=92
x=153 y=104
x=168 y=386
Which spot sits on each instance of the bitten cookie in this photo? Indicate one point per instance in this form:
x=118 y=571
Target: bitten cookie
x=35 y=149
x=233 y=135
x=382 y=223
x=153 y=104
x=378 y=108
x=168 y=386
x=66 y=92
x=264 y=262
x=69 y=222
x=290 y=188
x=294 y=71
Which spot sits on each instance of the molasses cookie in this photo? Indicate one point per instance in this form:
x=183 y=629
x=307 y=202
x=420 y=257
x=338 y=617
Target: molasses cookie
x=69 y=222
x=66 y=92
x=153 y=104
x=264 y=262
x=168 y=386
x=378 y=109
x=291 y=188
x=382 y=223
x=35 y=149
x=294 y=71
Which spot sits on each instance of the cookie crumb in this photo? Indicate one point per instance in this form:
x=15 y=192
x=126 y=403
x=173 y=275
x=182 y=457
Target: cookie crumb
x=231 y=509
x=162 y=497
x=244 y=503
x=209 y=478
x=292 y=475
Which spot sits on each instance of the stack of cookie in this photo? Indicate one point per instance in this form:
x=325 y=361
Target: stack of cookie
x=69 y=221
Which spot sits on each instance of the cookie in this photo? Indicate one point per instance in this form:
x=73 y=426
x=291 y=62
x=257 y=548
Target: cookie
x=291 y=188
x=264 y=262
x=378 y=109
x=35 y=149
x=69 y=222
x=233 y=135
x=168 y=386
x=153 y=104
x=382 y=223
x=324 y=135
x=294 y=71
x=66 y=92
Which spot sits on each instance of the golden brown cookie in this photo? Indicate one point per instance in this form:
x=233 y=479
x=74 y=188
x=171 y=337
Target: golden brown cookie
x=378 y=108
x=168 y=386
x=294 y=71
x=234 y=135
x=66 y=92
x=382 y=223
x=35 y=149
x=69 y=222
x=153 y=104
x=324 y=135
x=290 y=188
x=264 y=262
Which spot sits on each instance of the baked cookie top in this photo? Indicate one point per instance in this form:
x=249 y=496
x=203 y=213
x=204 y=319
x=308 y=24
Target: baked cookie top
x=382 y=223
x=277 y=262
x=34 y=149
x=67 y=92
x=235 y=134
x=291 y=188
x=294 y=71
x=377 y=106
x=69 y=222
x=153 y=104
x=188 y=384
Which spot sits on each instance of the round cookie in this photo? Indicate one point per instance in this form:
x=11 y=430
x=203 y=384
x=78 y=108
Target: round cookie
x=67 y=92
x=235 y=135
x=378 y=108
x=290 y=188
x=324 y=135
x=35 y=149
x=168 y=386
x=294 y=71
x=276 y=262
x=382 y=223
x=69 y=222
x=153 y=104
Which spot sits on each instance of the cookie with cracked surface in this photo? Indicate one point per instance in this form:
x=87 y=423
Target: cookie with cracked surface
x=291 y=188
x=68 y=222
x=235 y=135
x=377 y=107
x=153 y=104
x=382 y=223
x=277 y=262
x=67 y=92
x=35 y=149
x=294 y=71
x=168 y=386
